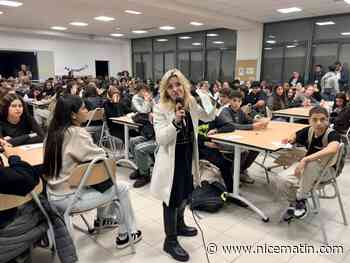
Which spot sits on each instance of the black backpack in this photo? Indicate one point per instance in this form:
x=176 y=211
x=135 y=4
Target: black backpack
x=208 y=197
x=147 y=129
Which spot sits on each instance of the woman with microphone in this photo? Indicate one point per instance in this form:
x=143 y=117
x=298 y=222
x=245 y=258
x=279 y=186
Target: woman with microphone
x=176 y=167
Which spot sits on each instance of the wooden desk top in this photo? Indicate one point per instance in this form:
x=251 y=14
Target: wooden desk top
x=32 y=154
x=295 y=112
x=268 y=139
x=125 y=120
x=12 y=201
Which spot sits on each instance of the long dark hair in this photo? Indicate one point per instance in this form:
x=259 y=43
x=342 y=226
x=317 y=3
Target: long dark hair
x=279 y=102
x=340 y=95
x=61 y=121
x=6 y=103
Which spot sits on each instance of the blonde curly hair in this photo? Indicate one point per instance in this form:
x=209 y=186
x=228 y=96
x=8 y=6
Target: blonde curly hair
x=186 y=85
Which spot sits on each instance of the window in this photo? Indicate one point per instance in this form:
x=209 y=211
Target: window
x=169 y=61
x=228 y=65
x=158 y=66
x=164 y=43
x=196 y=66
x=190 y=41
x=184 y=63
x=294 y=61
x=324 y=54
x=272 y=64
x=208 y=55
x=221 y=39
x=213 y=65
x=341 y=25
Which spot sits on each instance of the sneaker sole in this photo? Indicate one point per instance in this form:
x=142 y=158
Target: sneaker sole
x=128 y=244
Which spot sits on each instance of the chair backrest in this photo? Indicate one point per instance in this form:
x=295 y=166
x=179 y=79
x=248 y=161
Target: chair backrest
x=95 y=115
x=13 y=201
x=339 y=159
x=98 y=174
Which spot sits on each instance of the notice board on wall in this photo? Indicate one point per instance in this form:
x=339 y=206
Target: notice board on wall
x=246 y=69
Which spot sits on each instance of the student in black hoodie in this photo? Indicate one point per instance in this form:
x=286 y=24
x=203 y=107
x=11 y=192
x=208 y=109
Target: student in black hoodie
x=17 y=126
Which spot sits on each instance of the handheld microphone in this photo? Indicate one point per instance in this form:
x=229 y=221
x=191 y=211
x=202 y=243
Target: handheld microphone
x=180 y=100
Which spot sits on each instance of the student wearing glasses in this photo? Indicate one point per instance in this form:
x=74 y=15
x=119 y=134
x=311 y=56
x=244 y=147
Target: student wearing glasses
x=176 y=166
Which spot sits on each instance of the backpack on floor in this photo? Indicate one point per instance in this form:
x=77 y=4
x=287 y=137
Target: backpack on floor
x=208 y=197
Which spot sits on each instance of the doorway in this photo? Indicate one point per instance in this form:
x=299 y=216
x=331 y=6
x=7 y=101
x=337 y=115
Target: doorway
x=102 y=68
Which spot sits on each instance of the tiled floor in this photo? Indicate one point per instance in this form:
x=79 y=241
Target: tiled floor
x=233 y=225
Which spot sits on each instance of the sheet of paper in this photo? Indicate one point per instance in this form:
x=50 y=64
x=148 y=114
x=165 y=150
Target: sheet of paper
x=31 y=146
x=233 y=137
x=284 y=146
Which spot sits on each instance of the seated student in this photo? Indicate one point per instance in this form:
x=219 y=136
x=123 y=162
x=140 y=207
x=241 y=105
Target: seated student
x=114 y=107
x=278 y=100
x=69 y=145
x=340 y=115
x=290 y=97
x=230 y=119
x=91 y=97
x=306 y=99
x=17 y=126
x=71 y=89
x=142 y=100
x=257 y=99
x=142 y=148
x=321 y=143
x=224 y=100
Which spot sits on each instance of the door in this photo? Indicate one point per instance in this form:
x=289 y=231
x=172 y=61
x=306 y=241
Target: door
x=102 y=68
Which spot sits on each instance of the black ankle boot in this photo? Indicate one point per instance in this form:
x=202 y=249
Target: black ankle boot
x=182 y=228
x=171 y=245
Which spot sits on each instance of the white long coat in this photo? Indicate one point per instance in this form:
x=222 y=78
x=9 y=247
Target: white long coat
x=163 y=171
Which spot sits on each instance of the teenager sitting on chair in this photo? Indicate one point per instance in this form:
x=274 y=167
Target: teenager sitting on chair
x=297 y=181
x=17 y=126
x=69 y=145
x=230 y=119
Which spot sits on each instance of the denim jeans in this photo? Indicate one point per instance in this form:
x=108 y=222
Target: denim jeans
x=91 y=198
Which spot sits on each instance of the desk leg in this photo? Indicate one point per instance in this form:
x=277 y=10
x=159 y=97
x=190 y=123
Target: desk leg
x=291 y=119
x=236 y=179
x=126 y=149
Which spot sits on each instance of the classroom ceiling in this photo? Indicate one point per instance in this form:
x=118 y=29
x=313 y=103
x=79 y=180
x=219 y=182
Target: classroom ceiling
x=234 y=14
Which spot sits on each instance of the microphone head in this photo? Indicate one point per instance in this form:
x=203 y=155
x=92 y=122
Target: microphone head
x=179 y=100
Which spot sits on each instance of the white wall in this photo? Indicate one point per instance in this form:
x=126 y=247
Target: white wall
x=249 y=45
x=73 y=53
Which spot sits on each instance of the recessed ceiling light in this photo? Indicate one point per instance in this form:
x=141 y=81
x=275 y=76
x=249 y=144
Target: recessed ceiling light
x=78 y=24
x=271 y=41
x=104 y=18
x=212 y=35
x=291 y=46
x=59 y=28
x=132 y=12
x=193 y=23
x=345 y=33
x=1 y=12
x=218 y=42
x=268 y=48
x=167 y=28
x=196 y=44
x=185 y=37
x=325 y=23
x=272 y=36
x=116 y=35
x=162 y=40
x=289 y=10
x=140 y=31
x=347 y=1
x=11 y=3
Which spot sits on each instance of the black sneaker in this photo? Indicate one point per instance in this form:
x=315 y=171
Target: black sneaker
x=135 y=175
x=122 y=243
x=142 y=181
x=289 y=213
x=105 y=223
x=301 y=210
